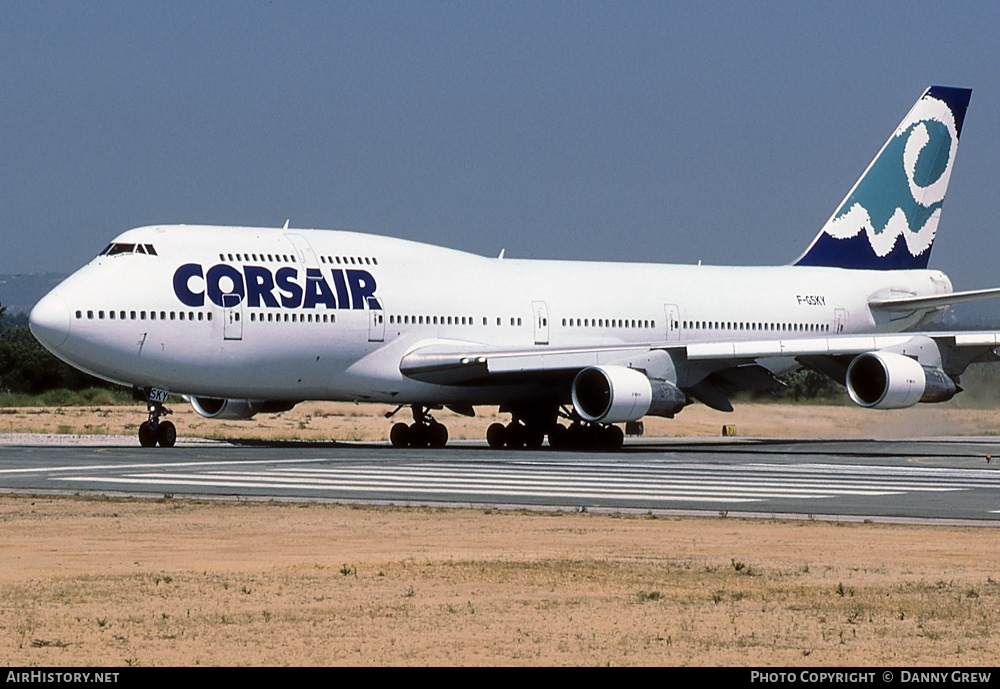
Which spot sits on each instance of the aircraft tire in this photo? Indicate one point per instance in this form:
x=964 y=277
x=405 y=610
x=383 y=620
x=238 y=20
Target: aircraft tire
x=559 y=437
x=399 y=435
x=437 y=434
x=166 y=434
x=515 y=435
x=533 y=438
x=496 y=435
x=419 y=436
x=614 y=438
x=147 y=436
x=587 y=438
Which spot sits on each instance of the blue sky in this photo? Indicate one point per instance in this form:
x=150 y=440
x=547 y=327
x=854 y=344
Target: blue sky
x=665 y=131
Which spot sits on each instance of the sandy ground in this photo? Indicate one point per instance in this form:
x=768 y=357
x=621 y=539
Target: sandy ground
x=171 y=582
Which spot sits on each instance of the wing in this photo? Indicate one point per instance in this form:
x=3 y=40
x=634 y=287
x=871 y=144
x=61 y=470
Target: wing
x=707 y=371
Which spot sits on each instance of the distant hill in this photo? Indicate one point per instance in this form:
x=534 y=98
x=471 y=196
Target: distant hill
x=19 y=293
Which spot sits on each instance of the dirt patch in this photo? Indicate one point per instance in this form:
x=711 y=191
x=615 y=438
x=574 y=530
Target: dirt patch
x=115 y=582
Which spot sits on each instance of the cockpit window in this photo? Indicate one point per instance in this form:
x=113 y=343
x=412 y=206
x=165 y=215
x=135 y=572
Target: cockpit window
x=114 y=249
x=119 y=248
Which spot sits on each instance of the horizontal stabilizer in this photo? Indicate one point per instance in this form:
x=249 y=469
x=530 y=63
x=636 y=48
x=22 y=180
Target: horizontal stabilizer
x=916 y=303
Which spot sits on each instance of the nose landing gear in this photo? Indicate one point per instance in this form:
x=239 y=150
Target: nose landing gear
x=154 y=432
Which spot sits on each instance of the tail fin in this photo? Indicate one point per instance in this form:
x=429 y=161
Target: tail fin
x=889 y=219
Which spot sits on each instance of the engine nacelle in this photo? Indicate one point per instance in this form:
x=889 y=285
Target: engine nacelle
x=229 y=409
x=885 y=380
x=616 y=394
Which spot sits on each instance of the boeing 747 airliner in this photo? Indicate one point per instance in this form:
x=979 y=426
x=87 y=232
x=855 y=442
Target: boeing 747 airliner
x=243 y=321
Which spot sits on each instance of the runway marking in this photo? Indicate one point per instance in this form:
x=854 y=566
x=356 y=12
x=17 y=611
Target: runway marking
x=653 y=481
x=442 y=490
x=156 y=465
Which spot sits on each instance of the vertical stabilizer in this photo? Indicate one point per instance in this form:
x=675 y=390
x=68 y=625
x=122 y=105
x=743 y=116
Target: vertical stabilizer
x=889 y=219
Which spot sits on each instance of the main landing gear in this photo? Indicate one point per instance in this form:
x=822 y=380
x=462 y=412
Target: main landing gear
x=423 y=432
x=528 y=429
x=155 y=432
x=581 y=435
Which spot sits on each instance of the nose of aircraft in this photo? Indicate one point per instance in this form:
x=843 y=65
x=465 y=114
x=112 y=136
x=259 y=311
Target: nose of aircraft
x=49 y=321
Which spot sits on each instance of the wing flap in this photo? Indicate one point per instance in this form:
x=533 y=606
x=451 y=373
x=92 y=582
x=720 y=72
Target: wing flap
x=446 y=364
x=811 y=346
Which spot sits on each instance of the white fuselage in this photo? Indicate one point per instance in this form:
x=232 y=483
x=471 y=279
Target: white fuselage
x=329 y=315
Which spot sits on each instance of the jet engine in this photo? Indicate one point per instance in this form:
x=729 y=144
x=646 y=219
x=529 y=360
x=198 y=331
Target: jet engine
x=885 y=380
x=229 y=409
x=616 y=394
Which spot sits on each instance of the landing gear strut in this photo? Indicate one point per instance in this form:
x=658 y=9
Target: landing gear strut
x=423 y=432
x=155 y=432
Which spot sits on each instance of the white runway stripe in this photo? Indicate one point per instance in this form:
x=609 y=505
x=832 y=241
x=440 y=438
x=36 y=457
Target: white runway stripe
x=652 y=482
x=541 y=476
x=425 y=491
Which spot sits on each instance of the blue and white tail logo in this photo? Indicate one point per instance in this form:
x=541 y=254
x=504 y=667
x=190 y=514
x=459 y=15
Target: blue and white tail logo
x=889 y=219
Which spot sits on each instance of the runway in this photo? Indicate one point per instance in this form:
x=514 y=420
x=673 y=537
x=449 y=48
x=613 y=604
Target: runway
x=946 y=479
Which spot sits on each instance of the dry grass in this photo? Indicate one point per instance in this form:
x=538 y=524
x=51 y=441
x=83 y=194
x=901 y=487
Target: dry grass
x=112 y=582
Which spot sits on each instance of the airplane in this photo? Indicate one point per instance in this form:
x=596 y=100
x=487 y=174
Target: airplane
x=241 y=321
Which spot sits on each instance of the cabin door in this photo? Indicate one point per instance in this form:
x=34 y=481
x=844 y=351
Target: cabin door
x=232 y=314
x=673 y=322
x=376 y=321
x=840 y=320
x=541 y=313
